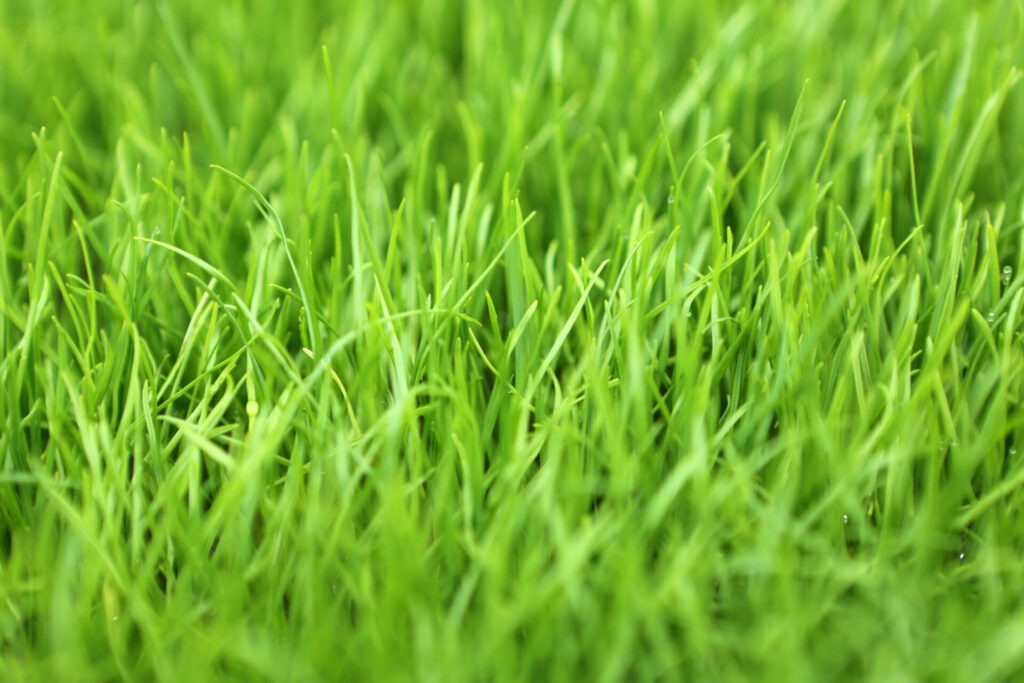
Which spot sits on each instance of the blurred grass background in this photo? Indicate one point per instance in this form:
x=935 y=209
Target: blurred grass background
x=615 y=340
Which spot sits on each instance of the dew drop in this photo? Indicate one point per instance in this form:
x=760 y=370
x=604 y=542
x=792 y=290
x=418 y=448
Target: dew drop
x=962 y=556
x=991 y=316
x=671 y=197
x=1007 y=274
x=846 y=519
x=1013 y=450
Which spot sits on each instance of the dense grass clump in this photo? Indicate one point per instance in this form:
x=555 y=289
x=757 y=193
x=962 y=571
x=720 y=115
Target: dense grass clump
x=449 y=341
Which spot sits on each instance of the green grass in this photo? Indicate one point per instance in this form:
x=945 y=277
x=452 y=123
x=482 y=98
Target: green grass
x=454 y=341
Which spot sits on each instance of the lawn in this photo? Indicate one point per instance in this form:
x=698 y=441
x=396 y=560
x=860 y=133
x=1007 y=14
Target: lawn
x=449 y=340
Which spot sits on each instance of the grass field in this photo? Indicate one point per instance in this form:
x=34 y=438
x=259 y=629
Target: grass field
x=530 y=340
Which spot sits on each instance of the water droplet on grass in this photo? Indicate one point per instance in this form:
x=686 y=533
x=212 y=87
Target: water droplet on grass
x=672 y=195
x=846 y=519
x=1007 y=274
x=991 y=316
x=1013 y=450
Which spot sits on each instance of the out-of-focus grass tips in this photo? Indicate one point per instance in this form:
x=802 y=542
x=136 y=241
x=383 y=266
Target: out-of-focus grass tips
x=582 y=340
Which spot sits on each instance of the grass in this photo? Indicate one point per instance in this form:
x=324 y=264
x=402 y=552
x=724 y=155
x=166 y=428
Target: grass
x=452 y=341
